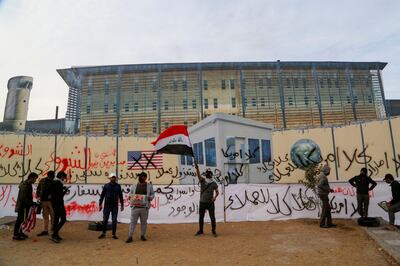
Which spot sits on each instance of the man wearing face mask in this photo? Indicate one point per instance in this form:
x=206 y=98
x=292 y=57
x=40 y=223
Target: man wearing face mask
x=207 y=199
x=323 y=190
x=362 y=183
x=112 y=192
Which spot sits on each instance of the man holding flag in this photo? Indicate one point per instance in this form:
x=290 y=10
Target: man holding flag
x=175 y=140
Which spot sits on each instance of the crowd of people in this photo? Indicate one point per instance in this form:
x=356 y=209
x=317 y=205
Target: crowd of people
x=51 y=190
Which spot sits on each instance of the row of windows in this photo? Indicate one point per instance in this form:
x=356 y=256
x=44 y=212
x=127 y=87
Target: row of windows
x=258 y=153
x=262 y=102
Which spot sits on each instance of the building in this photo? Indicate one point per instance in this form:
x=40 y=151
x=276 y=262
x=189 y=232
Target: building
x=235 y=149
x=145 y=99
x=393 y=107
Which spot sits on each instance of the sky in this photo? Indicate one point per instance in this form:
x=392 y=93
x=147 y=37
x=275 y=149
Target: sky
x=38 y=37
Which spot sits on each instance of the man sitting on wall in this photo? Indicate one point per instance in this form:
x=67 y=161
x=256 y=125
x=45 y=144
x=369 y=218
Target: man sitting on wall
x=394 y=204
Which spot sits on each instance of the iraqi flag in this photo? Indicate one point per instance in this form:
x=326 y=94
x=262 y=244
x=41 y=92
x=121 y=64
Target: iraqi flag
x=174 y=140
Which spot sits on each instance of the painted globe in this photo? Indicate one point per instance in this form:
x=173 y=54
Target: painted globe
x=305 y=153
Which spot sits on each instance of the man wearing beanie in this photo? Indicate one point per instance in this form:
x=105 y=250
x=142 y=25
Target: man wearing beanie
x=323 y=190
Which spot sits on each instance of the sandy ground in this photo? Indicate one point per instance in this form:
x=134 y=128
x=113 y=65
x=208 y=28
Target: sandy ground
x=295 y=242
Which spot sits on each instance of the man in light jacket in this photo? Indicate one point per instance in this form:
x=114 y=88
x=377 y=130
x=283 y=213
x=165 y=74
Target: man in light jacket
x=323 y=190
x=140 y=196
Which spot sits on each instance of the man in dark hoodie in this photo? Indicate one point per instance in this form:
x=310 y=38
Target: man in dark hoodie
x=362 y=182
x=57 y=202
x=43 y=191
x=323 y=190
x=24 y=202
x=111 y=193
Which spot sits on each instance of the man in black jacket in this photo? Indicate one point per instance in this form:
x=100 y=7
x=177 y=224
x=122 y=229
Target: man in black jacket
x=362 y=183
x=43 y=191
x=111 y=193
x=394 y=204
x=57 y=201
x=24 y=202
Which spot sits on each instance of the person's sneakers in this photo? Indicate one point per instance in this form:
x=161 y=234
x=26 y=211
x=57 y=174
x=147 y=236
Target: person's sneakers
x=215 y=234
x=199 y=233
x=43 y=233
x=115 y=237
x=143 y=238
x=18 y=238
x=102 y=236
x=129 y=240
x=23 y=235
x=55 y=239
x=58 y=237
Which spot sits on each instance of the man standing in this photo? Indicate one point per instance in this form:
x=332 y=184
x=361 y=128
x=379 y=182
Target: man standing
x=24 y=203
x=323 y=190
x=362 y=182
x=140 y=197
x=111 y=193
x=207 y=199
x=43 y=191
x=57 y=201
x=394 y=204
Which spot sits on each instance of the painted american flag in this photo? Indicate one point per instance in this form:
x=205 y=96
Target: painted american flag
x=144 y=160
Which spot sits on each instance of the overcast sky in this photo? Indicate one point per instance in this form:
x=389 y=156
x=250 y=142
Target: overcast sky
x=38 y=37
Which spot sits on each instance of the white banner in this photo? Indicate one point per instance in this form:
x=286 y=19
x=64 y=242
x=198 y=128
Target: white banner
x=172 y=203
x=243 y=202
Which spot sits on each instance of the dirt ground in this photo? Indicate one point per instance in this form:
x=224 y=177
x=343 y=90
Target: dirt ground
x=294 y=242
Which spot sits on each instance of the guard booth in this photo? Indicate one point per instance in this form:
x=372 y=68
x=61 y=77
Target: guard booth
x=235 y=149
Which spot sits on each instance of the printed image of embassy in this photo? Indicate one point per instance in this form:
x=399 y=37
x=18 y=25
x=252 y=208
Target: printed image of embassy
x=232 y=147
x=305 y=153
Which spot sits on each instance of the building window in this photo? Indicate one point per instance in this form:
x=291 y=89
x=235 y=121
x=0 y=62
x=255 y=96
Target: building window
x=184 y=104
x=205 y=85
x=90 y=88
x=88 y=109
x=198 y=153
x=369 y=99
x=296 y=82
x=306 y=100
x=105 y=130
x=114 y=107
x=166 y=125
x=266 y=150
x=136 y=87
x=205 y=103
x=194 y=104
x=135 y=107
x=348 y=99
x=253 y=102
x=175 y=85
x=232 y=83
x=154 y=86
x=126 y=130
x=316 y=100
x=215 y=103
x=223 y=84
x=126 y=107
x=106 y=88
x=331 y=100
x=254 y=150
x=261 y=83
x=269 y=82
x=211 y=157
x=262 y=102
x=288 y=83
x=321 y=82
x=184 y=85
x=329 y=83
x=154 y=127
x=290 y=99
x=304 y=83
x=233 y=101
x=337 y=84
x=166 y=105
x=355 y=99
x=135 y=129
x=154 y=106
x=105 y=108
x=114 y=129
